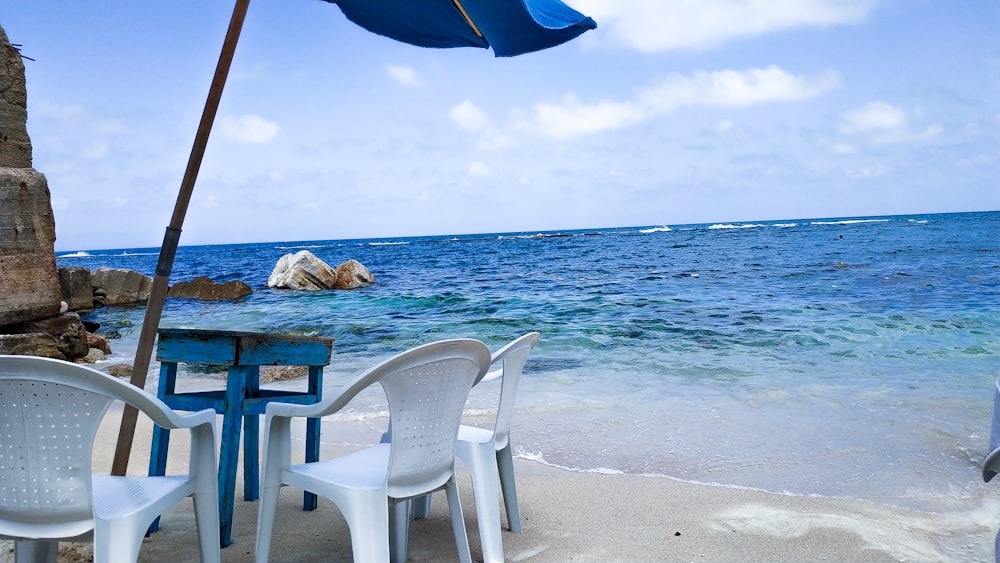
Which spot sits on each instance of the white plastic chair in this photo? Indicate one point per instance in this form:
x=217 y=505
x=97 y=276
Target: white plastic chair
x=426 y=388
x=486 y=453
x=50 y=412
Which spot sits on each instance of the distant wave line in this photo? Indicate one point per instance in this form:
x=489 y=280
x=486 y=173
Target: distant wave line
x=850 y=221
x=732 y=226
x=78 y=254
x=663 y=229
x=387 y=243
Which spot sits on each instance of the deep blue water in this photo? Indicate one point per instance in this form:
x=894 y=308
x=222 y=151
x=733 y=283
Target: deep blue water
x=849 y=357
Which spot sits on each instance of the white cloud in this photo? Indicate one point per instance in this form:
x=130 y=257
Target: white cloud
x=870 y=171
x=249 y=128
x=725 y=127
x=48 y=109
x=733 y=88
x=725 y=88
x=404 y=75
x=843 y=148
x=572 y=118
x=902 y=135
x=884 y=124
x=95 y=151
x=210 y=201
x=479 y=168
x=872 y=117
x=495 y=140
x=469 y=117
x=663 y=25
x=112 y=126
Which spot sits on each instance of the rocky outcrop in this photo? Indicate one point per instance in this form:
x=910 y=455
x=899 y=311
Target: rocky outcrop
x=352 y=275
x=204 y=288
x=29 y=283
x=31 y=344
x=303 y=270
x=63 y=337
x=76 y=287
x=15 y=146
x=29 y=288
x=116 y=286
x=33 y=320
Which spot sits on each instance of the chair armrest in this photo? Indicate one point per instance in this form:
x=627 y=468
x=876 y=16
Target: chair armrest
x=327 y=406
x=491 y=375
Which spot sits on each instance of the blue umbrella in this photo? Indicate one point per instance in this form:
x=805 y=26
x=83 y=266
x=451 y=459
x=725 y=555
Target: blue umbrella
x=510 y=27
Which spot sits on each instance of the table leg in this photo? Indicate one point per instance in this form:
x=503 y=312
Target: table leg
x=158 y=461
x=313 y=431
x=230 y=451
x=251 y=438
x=161 y=436
x=312 y=454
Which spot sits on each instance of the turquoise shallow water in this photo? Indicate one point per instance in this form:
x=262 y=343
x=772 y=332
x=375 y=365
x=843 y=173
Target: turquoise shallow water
x=846 y=357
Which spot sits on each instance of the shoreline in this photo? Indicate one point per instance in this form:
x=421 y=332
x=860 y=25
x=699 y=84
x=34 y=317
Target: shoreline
x=585 y=517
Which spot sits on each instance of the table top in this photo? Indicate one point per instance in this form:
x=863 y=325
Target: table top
x=236 y=347
x=225 y=333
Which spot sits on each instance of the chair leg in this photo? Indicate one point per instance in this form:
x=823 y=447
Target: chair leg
x=458 y=521
x=480 y=462
x=206 y=519
x=421 y=506
x=268 y=506
x=367 y=517
x=35 y=551
x=505 y=465
x=399 y=529
x=118 y=540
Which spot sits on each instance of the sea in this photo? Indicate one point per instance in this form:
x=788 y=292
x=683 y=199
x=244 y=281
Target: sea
x=844 y=357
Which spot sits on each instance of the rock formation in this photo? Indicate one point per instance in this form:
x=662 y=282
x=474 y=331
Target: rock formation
x=352 y=275
x=303 y=270
x=118 y=286
x=205 y=289
x=29 y=284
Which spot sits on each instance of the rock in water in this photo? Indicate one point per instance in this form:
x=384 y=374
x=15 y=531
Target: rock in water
x=302 y=270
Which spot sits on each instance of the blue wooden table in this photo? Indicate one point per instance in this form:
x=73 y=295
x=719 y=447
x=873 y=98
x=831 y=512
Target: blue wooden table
x=241 y=401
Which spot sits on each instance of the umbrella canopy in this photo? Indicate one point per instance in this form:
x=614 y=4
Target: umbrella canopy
x=510 y=27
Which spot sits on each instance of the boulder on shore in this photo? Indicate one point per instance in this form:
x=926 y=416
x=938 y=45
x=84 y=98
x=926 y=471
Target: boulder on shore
x=117 y=286
x=76 y=286
x=62 y=337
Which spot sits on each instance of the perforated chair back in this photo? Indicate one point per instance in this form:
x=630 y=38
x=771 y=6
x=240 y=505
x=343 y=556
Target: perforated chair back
x=47 y=431
x=50 y=413
x=512 y=358
x=427 y=388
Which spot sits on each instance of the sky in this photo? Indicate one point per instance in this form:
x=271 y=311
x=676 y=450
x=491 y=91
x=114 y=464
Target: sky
x=671 y=112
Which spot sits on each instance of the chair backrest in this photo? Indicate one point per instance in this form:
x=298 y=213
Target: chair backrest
x=50 y=412
x=49 y=417
x=512 y=357
x=427 y=388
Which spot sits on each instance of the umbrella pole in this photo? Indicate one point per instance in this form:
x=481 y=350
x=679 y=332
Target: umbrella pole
x=158 y=292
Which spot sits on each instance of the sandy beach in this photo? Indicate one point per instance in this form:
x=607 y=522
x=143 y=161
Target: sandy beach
x=587 y=517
